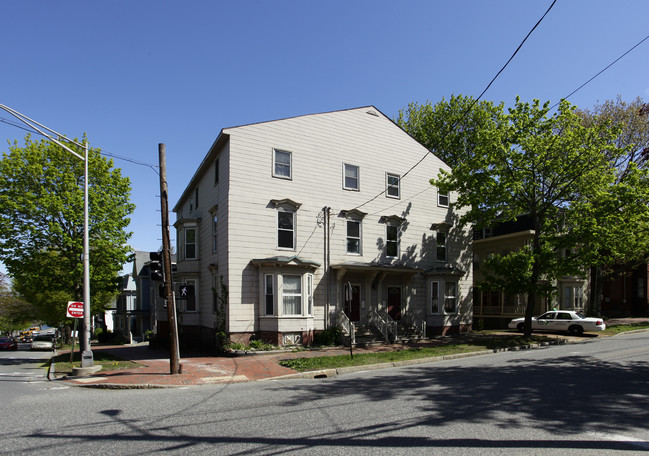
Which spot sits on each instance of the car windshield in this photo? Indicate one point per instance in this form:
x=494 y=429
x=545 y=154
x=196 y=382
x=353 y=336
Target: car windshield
x=580 y=315
x=44 y=338
x=5 y=339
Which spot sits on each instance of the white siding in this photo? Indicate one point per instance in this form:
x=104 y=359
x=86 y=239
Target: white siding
x=319 y=144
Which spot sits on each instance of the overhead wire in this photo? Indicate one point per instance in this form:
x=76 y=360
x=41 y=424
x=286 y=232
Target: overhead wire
x=470 y=107
x=603 y=70
x=102 y=152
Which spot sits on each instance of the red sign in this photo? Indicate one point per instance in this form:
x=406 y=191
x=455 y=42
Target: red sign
x=75 y=309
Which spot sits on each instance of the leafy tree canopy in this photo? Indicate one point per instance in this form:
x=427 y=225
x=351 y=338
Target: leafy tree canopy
x=14 y=313
x=41 y=225
x=552 y=167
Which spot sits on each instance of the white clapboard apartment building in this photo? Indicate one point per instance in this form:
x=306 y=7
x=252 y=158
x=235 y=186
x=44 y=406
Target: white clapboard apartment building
x=293 y=226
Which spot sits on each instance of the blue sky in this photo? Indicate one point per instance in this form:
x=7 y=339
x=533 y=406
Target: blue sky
x=132 y=74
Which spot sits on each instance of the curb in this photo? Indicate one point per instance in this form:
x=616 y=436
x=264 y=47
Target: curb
x=329 y=373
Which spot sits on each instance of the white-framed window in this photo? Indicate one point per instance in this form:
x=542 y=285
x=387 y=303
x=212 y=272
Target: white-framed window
x=190 y=243
x=393 y=185
x=282 y=164
x=269 y=294
x=391 y=240
x=573 y=297
x=351 y=177
x=286 y=230
x=354 y=237
x=434 y=298
x=215 y=231
x=289 y=294
x=442 y=199
x=292 y=294
x=441 y=246
x=450 y=297
x=309 y=293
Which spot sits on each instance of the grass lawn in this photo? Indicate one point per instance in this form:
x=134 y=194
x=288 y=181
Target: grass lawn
x=440 y=347
x=617 y=329
x=107 y=362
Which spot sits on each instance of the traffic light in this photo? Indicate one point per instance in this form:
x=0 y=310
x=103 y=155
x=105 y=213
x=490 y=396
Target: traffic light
x=185 y=291
x=155 y=266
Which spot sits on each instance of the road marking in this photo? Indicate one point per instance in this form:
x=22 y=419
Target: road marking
x=88 y=379
x=225 y=379
x=24 y=375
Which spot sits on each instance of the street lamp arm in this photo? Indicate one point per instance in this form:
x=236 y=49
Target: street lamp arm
x=33 y=124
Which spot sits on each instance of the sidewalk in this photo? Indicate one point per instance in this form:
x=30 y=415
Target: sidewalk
x=201 y=370
x=197 y=370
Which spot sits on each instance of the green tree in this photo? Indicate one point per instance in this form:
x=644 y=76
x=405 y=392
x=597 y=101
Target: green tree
x=41 y=225
x=553 y=169
x=14 y=313
x=632 y=119
x=452 y=129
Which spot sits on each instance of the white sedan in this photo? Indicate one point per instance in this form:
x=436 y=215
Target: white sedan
x=561 y=320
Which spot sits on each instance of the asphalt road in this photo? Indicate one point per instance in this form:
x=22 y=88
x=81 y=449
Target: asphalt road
x=578 y=399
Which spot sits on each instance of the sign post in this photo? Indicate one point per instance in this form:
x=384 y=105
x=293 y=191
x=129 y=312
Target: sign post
x=75 y=310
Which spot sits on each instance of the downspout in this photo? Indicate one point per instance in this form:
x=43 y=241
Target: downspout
x=327 y=266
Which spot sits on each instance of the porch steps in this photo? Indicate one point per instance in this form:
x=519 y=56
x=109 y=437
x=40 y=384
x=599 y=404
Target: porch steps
x=369 y=335
x=366 y=335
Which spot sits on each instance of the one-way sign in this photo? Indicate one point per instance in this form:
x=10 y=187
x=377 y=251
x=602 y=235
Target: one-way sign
x=75 y=309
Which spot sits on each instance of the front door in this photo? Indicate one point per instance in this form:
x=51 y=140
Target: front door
x=353 y=302
x=394 y=303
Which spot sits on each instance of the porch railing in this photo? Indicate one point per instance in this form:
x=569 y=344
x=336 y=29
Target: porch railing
x=347 y=326
x=416 y=321
x=393 y=326
x=381 y=323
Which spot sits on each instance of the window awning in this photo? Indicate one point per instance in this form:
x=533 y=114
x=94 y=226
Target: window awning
x=445 y=271
x=284 y=261
x=379 y=267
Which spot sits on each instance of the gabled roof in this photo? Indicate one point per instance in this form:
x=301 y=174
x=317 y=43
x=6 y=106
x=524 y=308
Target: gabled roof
x=224 y=137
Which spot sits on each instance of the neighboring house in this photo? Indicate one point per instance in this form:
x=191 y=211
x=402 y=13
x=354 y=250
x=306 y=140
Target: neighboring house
x=126 y=306
x=106 y=320
x=626 y=295
x=494 y=308
x=289 y=226
x=139 y=304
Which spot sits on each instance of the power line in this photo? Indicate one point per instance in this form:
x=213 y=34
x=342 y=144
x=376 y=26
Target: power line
x=466 y=112
x=603 y=70
x=102 y=152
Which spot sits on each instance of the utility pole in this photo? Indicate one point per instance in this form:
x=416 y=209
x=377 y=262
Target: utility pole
x=174 y=354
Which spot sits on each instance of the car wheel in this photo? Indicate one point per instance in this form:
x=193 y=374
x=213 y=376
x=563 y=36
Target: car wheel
x=521 y=327
x=576 y=330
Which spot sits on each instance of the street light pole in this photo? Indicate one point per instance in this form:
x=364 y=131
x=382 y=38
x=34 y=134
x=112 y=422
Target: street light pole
x=86 y=352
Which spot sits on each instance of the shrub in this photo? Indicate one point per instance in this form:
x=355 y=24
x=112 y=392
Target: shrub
x=105 y=336
x=329 y=336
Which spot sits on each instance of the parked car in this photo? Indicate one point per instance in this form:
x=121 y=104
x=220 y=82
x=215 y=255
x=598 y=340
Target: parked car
x=8 y=343
x=43 y=343
x=561 y=320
